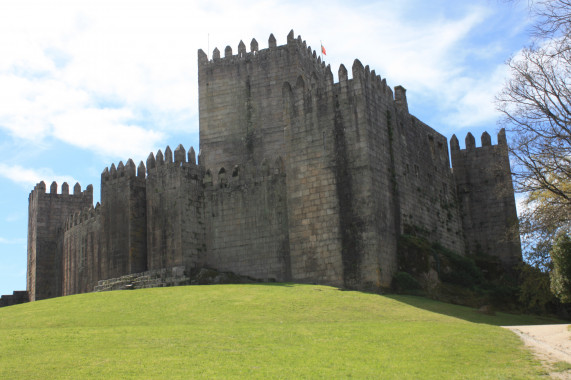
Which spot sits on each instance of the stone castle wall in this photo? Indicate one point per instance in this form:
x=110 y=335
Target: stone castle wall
x=47 y=213
x=299 y=179
x=175 y=203
x=247 y=221
x=485 y=189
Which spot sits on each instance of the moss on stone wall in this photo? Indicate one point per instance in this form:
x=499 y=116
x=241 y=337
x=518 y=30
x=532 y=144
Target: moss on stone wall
x=448 y=276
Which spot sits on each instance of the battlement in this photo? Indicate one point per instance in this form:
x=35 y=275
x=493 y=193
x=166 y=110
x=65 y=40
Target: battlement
x=366 y=78
x=292 y=44
x=180 y=158
x=485 y=139
x=82 y=216
x=128 y=170
x=298 y=46
x=40 y=190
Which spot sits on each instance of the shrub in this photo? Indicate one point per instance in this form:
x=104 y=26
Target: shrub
x=561 y=273
x=404 y=282
x=413 y=254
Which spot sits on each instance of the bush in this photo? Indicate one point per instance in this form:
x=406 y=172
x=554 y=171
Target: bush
x=458 y=270
x=404 y=282
x=414 y=254
x=561 y=274
x=534 y=293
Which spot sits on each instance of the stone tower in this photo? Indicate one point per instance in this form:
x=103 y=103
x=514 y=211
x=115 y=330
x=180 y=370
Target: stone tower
x=47 y=213
x=486 y=194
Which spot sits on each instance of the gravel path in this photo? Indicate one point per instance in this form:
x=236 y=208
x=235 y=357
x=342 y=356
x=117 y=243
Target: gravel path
x=550 y=343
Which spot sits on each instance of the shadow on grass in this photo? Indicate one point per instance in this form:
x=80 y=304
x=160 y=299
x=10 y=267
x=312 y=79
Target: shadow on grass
x=473 y=315
x=284 y=284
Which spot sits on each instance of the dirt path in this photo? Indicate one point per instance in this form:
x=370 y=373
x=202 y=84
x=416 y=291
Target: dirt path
x=550 y=343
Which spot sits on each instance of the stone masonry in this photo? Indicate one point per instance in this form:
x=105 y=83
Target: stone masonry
x=299 y=179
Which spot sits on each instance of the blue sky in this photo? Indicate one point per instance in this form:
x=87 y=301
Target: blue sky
x=84 y=84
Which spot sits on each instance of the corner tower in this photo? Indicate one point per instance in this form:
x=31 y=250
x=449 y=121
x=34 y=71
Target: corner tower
x=485 y=191
x=47 y=213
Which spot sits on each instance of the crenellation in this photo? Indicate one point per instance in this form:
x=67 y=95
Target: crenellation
x=151 y=163
x=120 y=169
x=502 y=140
x=192 y=156
x=241 y=49
x=159 y=159
x=470 y=141
x=228 y=52
x=105 y=174
x=113 y=171
x=342 y=74
x=400 y=98
x=141 y=170
x=454 y=144
x=215 y=54
x=130 y=168
x=202 y=57
x=253 y=46
x=168 y=155
x=53 y=188
x=179 y=155
x=41 y=187
x=271 y=41
x=65 y=188
x=290 y=37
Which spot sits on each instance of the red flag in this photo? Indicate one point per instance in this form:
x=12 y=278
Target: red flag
x=323 y=50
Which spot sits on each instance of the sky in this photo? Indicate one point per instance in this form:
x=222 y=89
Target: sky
x=84 y=84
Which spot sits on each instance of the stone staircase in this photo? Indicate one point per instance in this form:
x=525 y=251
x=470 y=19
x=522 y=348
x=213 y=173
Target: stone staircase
x=174 y=276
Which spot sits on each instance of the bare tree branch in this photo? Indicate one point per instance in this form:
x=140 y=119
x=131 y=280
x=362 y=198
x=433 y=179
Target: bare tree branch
x=536 y=108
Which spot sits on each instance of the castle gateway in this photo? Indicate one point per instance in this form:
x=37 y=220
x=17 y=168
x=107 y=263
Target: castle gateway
x=299 y=179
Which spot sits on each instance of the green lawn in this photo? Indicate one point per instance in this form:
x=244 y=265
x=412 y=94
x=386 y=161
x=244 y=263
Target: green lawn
x=257 y=331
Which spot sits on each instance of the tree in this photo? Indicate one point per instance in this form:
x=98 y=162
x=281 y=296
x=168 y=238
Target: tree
x=561 y=273
x=536 y=107
x=536 y=104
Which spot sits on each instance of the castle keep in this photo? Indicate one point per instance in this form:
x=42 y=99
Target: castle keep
x=298 y=179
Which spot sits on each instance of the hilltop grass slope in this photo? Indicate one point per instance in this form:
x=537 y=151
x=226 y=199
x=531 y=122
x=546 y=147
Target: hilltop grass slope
x=256 y=331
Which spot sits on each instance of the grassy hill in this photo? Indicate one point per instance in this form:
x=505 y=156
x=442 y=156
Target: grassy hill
x=257 y=331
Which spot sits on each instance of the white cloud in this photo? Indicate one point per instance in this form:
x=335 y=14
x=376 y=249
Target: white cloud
x=106 y=129
x=117 y=77
x=29 y=177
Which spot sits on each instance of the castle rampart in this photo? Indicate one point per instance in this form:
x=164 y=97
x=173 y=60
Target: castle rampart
x=299 y=179
x=247 y=221
x=484 y=186
x=47 y=214
x=175 y=229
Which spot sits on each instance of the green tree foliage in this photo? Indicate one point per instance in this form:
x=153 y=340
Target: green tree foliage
x=534 y=291
x=561 y=273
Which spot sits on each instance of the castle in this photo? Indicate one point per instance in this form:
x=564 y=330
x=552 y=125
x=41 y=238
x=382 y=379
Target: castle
x=298 y=179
